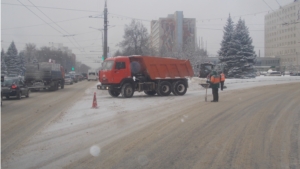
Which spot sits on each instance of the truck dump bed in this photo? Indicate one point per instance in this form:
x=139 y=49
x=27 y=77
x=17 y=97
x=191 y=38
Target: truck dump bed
x=162 y=68
x=43 y=71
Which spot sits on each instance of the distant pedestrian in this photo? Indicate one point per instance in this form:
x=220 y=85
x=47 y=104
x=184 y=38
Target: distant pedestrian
x=222 y=80
x=215 y=84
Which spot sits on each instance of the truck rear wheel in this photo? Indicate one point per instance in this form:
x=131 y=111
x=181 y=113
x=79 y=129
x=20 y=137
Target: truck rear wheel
x=180 y=88
x=164 y=88
x=62 y=85
x=114 y=93
x=150 y=93
x=173 y=88
x=127 y=90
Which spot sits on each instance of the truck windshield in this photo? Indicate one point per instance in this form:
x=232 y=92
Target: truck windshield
x=107 y=65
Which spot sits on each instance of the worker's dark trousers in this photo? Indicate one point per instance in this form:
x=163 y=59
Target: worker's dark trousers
x=222 y=85
x=215 y=92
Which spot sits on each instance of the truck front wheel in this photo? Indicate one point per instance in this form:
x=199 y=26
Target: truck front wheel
x=179 y=88
x=164 y=88
x=114 y=93
x=127 y=90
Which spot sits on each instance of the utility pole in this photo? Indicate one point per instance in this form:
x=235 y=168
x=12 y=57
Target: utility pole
x=105 y=31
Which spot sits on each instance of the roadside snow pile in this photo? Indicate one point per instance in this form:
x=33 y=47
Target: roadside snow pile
x=243 y=83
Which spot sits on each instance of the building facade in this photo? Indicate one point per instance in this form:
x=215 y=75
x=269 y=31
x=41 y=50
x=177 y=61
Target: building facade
x=173 y=33
x=266 y=63
x=282 y=36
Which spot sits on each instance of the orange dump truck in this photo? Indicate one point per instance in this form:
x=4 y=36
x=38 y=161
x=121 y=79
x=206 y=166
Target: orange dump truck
x=153 y=75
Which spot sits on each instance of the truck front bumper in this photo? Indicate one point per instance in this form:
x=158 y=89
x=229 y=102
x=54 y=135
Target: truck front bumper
x=107 y=87
x=103 y=87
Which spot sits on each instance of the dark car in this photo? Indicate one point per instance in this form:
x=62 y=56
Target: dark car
x=75 y=79
x=81 y=77
x=77 y=76
x=68 y=80
x=84 y=75
x=14 y=87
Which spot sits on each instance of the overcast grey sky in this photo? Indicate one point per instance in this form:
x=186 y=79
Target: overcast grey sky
x=27 y=24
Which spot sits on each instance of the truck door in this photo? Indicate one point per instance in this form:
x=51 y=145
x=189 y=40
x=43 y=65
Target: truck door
x=120 y=71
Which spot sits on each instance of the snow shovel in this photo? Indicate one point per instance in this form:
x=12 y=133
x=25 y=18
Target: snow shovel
x=205 y=85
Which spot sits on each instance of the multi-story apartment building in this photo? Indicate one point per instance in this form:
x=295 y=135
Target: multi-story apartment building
x=282 y=36
x=173 y=33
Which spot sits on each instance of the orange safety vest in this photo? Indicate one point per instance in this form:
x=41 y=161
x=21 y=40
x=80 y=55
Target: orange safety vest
x=215 y=79
x=222 y=77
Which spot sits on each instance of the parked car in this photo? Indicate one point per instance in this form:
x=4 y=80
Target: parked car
x=295 y=74
x=84 y=75
x=275 y=73
x=68 y=80
x=2 y=80
x=78 y=77
x=81 y=78
x=264 y=73
x=14 y=87
x=75 y=79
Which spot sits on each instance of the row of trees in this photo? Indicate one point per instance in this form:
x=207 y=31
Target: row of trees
x=237 y=55
x=13 y=62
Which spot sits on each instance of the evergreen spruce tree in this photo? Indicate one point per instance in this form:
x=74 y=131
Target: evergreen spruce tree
x=240 y=56
x=3 y=65
x=12 y=59
x=22 y=63
x=227 y=37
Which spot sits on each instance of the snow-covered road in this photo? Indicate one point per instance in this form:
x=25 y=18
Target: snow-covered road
x=81 y=131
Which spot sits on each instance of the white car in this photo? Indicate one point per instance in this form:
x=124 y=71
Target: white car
x=92 y=76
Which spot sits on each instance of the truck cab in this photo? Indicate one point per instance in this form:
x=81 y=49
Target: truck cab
x=114 y=70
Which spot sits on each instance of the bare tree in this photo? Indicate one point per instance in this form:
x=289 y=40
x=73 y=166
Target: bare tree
x=136 y=39
x=30 y=52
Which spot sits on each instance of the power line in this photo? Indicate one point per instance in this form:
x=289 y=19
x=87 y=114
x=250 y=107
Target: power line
x=51 y=35
x=256 y=13
x=44 y=24
x=39 y=17
x=55 y=24
x=68 y=9
x=278 y=3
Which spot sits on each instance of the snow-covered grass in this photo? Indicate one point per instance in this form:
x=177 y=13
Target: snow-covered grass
x=82 y=131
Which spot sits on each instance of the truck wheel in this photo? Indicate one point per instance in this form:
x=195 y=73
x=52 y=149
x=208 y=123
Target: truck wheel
x=164 y=88
x=114 y=93
x=127 y=90
x=180 y=88
x=62 y=86
x=150 y=93
x=19 y=95
x=56 y=86
x=7 y=97
x=173 y=89
x=28 y=92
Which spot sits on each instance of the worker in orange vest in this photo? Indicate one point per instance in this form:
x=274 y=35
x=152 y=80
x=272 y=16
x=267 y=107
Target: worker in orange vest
x=215 y=84
x=222 y=80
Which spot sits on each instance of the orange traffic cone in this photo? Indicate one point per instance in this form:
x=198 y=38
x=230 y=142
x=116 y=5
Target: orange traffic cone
x=95 y=101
